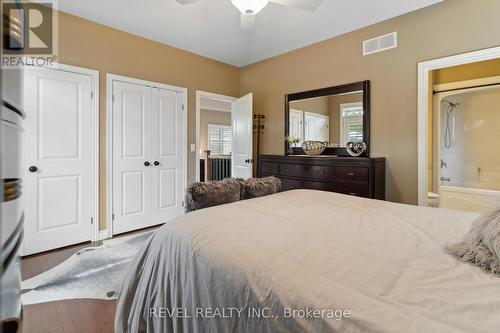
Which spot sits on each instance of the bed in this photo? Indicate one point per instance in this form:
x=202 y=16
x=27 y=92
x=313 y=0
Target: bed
x=308 y=261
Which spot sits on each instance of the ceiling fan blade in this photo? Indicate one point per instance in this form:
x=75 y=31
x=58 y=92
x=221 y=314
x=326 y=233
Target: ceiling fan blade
x=247 y=22
x=187 y=2
x=310 y=5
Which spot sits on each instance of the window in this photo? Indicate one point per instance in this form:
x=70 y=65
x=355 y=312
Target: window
x=219 y=139
x=351 y=123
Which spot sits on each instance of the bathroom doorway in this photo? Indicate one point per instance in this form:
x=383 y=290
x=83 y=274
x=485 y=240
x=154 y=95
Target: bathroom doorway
x=447 y=77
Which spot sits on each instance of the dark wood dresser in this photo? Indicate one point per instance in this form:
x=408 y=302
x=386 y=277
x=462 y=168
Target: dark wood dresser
x=360 y=176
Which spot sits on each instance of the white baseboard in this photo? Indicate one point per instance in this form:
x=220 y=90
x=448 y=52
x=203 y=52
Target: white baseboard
x=103 y=234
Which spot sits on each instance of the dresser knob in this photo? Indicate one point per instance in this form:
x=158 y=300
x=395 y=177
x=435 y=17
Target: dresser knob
x=350 y=173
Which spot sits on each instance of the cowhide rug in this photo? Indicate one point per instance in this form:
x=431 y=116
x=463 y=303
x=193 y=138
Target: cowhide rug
x=93 y=272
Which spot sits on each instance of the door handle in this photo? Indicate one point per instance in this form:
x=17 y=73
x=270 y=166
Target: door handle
x=33 y=168
x=156 y=163
x=147 y=163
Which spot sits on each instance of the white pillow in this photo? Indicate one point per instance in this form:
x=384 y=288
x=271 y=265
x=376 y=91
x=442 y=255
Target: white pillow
x=481 y=245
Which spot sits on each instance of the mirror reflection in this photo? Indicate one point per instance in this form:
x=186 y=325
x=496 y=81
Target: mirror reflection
x=335 y=119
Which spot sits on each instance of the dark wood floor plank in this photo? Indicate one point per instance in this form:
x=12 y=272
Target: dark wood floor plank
x=26 y=269
x=110 y=307
x=81 y=316
x=101 y=317
x=36 y=323
x=64 y=317
x=28 y=315
x=50 y=318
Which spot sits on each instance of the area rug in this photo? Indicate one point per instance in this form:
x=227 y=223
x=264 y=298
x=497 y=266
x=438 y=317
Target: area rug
x=93 y=272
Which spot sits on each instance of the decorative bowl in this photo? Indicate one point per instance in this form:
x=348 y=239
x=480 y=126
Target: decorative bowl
x=313 y=148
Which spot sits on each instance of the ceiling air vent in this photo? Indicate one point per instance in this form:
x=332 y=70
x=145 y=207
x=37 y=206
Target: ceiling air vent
x=381 y=43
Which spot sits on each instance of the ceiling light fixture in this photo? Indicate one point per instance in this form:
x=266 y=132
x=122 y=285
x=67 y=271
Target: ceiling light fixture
x=250 y=7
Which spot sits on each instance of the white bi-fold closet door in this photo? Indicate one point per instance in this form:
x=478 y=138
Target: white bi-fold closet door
x=148 y=167
x=60 y=156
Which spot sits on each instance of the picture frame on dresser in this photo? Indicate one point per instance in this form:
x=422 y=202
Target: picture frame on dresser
x=298 y=100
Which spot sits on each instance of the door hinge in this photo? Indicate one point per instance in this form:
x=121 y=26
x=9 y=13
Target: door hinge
x=91 y=220
x=91 y=95
x=112 y=98
x=182 y=107
x=113 y=216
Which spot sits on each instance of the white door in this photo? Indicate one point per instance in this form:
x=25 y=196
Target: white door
x=132 y=171
x=148 y=156
x=167 y=155
x=242 y=137
x=58 y=146
x=296 y=124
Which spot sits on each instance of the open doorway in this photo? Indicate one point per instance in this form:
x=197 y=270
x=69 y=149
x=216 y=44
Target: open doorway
x=457 y=124
x=214 y=136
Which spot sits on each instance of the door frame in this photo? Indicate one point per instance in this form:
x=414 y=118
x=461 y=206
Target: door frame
x=424 y=70
x=110 y=78
x=94 y=76
x=199 y=95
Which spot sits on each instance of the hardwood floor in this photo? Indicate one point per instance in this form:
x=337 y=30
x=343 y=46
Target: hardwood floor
x=73 y=315
x=67 y=316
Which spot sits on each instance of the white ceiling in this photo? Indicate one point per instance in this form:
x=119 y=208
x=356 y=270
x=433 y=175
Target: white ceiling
x=212 y=28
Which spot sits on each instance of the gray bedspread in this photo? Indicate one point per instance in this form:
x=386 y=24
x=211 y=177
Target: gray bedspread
x=308 y=261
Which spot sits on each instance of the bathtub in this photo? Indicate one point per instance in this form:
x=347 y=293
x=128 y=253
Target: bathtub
x=467 y=198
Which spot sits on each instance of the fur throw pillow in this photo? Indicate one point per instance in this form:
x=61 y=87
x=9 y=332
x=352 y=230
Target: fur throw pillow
x=203 y=195
x=481 y=245
x=258 y=187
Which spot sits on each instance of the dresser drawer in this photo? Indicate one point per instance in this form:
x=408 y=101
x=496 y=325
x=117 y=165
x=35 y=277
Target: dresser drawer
x=317 y=172
x=286 y=169
x=290 y=184
x=352 y=173
x=322 y=186
x=269 y=168
x=361 y=190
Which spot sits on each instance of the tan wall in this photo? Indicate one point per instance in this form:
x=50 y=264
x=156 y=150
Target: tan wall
x=312 y=105
x=448 y=28
x=87 y=44
x=211 y=117
x=466 y=72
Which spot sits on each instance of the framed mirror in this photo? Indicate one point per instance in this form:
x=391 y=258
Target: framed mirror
x=334 y=115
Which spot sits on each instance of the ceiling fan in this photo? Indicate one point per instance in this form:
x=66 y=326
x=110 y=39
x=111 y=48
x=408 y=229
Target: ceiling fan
x=249 y=8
